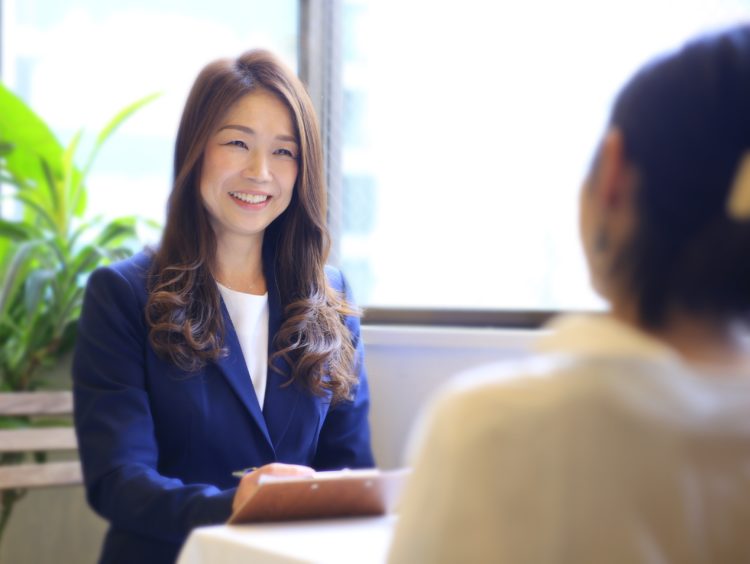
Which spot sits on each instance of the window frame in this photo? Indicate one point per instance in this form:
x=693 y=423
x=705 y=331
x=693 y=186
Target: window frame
x=319 y=66
x=473 y=318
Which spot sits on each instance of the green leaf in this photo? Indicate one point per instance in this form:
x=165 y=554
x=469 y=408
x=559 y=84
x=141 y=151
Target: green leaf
x=73 y=180
x=116 y=230
x=36 y=286
x=85 y=261
x=58 y=252
x=113 y=124
x=39 y=209
x=55 y=206
x=17 y=264
x=83 y=230
x=70 y=313
x=30 y=137
x=39 y=338
x=15 y=231
x=7 y=179
x=80 y=199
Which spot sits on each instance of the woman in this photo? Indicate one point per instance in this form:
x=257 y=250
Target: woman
x=627 y=439
x=231 y=346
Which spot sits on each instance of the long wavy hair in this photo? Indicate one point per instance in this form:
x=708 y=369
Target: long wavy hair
x=184 y=305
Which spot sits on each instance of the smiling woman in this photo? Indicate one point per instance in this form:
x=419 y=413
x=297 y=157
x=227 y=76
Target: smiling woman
x=249 y=170
x=231 y=345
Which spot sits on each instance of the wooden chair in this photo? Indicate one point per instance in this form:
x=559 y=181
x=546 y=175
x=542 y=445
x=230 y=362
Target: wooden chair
x=40 y=439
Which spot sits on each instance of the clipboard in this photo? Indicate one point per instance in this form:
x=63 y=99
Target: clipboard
x=340 y=493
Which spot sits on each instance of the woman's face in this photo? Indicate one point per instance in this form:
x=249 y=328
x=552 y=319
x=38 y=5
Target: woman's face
x=250 y=166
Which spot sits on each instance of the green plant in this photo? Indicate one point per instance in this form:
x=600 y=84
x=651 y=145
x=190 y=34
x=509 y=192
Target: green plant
x=48 y=246
x=47 y=252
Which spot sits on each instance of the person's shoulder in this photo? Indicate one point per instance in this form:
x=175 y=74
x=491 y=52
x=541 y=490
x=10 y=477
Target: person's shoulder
x=134 y=269
x=118 y=288
x=337 y=281
x=137 y=264
x=530 y=387
x=506 y=376
x=335 y=278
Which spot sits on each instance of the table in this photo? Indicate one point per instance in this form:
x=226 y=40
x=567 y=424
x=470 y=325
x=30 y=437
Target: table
x=364 y=540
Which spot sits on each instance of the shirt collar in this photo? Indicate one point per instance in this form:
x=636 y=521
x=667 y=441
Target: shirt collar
x=601 y=335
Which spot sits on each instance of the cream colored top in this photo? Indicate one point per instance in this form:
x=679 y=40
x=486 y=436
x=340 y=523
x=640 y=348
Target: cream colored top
x=604 y=449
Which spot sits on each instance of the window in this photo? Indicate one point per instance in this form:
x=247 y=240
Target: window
x=79 y=62
x=457 y=133
x=468 y=128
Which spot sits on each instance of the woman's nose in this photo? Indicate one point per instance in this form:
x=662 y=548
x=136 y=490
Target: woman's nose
x=257 y=167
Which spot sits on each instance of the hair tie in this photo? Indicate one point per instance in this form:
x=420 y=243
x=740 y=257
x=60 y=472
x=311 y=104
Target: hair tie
x=738 y=200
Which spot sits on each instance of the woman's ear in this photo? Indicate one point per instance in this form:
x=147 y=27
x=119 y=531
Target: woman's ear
x=615 y=178
x=608 y=212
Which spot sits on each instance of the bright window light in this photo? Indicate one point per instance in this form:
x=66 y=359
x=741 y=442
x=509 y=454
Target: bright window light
x=469 y=127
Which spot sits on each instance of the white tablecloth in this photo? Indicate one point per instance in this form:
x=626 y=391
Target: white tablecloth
x=364 y=540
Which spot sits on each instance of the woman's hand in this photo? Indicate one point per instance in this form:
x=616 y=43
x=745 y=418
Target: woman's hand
x=249 y=482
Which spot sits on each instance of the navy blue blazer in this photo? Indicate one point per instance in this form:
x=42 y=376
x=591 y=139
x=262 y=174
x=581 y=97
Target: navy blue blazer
x=158 y=445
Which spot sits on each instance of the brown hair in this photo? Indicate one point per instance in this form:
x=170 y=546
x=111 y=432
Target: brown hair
x=184 y=306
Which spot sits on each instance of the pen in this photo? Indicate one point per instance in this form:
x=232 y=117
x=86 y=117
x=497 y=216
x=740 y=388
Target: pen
x=240 y=473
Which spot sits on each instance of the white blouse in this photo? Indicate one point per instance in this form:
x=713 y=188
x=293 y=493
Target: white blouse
x=249 y=315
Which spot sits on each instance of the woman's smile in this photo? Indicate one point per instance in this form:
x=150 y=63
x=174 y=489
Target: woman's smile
x=252 y=200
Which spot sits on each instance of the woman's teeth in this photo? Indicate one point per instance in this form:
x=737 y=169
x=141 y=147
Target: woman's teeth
x=249 y=198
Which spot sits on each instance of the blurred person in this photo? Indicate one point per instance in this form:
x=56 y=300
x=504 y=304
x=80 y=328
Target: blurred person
x=627 y=437
x=232 y=345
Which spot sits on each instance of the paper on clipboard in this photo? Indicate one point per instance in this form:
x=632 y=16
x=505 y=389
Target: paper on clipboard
x=340 y=493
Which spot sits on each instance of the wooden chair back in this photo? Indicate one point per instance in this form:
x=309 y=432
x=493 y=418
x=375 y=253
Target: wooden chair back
x=38 y=439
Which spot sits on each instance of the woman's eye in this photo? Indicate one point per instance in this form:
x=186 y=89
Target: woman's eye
x=237 y=143
x=285 y=153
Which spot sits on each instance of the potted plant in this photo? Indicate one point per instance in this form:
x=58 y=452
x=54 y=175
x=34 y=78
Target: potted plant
x=48 y=246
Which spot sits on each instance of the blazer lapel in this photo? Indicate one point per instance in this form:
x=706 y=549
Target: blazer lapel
x=234 y=368
x=280 y=402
